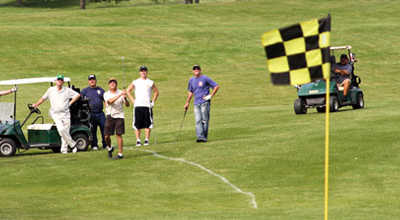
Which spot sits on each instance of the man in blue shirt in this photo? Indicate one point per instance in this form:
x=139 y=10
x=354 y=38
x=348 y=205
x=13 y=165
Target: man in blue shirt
x=95 y=95
x=199 y=86
x=344 y=70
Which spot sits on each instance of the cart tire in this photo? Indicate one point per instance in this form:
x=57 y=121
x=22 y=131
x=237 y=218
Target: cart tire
x=360 y=101
x=321 y=109
x=300 y=106
x=56 y=149
x=334 y=104
x=82 y=141
x=8 y=147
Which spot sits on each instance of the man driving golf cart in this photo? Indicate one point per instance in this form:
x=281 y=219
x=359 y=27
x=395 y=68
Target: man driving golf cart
x=343 y=70
x=6 y=92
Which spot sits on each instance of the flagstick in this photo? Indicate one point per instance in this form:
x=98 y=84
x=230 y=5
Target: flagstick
x=327 y=108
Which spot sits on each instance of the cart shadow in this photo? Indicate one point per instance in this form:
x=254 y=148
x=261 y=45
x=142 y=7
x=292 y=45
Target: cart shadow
x=21 y=154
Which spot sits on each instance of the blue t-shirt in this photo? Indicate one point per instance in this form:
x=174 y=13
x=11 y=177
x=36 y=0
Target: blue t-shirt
x=96 y=99
x=200 y=87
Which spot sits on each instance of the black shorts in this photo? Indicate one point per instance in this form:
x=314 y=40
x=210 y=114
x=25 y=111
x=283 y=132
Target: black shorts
x=114 y=125
x=143 y=118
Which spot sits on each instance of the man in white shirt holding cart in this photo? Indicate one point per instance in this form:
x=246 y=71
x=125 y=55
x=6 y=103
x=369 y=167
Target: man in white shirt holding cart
x=61 y=98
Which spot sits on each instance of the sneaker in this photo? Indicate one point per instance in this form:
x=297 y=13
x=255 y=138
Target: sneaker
x=95 y=148
x=146 y=143
x=118 y=157
x=201 y=140
x=74 y=150
x=138 y=143
x=64 y=152
x=110 y=151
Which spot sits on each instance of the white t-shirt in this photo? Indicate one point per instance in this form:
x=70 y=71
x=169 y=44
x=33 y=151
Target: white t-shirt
x=143 y=89
x=59 y=99
x=116 y=109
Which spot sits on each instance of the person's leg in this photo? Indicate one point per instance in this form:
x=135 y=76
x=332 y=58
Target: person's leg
x=93 y=130
x=199 y=124
x=102 y=121
x=63 y=125
x=147 y=133
x=120 y=144
x=346 y=85
x=205 y=115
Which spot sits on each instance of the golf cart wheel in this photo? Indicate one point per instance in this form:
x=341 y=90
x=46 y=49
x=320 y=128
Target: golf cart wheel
x=82 y=141
x=334 y=104
x=8 y=147
x=321 y=109
x=360 y=101
x=300 y=106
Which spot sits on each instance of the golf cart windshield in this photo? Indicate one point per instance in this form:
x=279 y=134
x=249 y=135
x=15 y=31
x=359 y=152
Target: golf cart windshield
x=6 y=112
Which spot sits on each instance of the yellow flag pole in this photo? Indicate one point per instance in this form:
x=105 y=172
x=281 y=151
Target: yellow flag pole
x=327 y=108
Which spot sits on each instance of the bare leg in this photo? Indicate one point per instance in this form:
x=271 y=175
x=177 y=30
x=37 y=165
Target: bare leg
x=137 y=133
x=120 y=143
x=108 y=140
x=147 y=133
x=346 y=85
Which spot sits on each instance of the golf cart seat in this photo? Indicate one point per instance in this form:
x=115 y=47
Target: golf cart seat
x=40 y=126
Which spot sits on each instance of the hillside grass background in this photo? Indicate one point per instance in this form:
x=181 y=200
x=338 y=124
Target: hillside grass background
x=256 y=140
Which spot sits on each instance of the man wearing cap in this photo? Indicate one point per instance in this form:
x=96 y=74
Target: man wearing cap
x=95 y=96
x=199 y=86
x=344 y=70
x=115 y=123
x=143 y=104
x=61 y=98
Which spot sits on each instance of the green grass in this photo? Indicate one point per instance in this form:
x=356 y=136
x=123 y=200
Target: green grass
x=256 y=141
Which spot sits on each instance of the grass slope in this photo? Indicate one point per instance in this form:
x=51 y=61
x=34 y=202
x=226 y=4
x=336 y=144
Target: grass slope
x=256 y=141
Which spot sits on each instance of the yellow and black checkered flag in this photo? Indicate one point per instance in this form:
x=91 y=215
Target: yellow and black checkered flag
x=299 y=53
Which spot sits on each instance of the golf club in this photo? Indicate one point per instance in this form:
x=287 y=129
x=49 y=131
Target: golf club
x=181 y=126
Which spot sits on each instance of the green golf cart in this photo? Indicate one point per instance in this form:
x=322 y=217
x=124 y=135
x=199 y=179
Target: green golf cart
x=313 y=95
x=40 y=135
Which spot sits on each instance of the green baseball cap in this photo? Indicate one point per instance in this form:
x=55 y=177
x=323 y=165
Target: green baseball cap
x=60 y=76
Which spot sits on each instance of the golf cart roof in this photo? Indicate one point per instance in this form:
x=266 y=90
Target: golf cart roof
x=32 y=80
x=348 y=47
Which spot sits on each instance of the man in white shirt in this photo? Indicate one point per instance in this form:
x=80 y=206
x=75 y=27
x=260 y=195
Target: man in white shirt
x=61 y=98
x=143 y=104
x=115 y=100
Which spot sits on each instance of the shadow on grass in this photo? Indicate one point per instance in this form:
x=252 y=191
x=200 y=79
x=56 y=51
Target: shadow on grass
x=24 y=153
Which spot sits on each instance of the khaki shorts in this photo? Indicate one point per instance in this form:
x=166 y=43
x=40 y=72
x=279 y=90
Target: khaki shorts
x=114 y=126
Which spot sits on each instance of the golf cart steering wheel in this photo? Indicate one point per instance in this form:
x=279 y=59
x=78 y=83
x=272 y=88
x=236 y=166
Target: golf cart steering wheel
x=33 y=109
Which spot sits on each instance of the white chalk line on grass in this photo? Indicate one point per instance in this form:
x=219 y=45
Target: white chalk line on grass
x=237 y=189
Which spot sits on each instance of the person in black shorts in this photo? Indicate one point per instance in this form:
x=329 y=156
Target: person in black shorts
x=115 y=124
x=143 y=118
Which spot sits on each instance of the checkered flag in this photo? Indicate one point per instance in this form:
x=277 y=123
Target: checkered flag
x=299 y=54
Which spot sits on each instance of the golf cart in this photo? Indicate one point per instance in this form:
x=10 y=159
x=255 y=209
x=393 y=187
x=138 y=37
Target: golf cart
x=313 y=95
x=40 y=135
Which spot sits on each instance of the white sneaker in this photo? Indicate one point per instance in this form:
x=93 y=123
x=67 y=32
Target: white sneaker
x=95 y=148
x=138 y=143
x=64 y=152
x=146 y=143
x=74 y=150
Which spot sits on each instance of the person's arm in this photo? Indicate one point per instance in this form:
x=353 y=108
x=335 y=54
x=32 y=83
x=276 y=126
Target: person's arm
x=125 y=99
x=74 y=99
x=129 y=92
x=112 y=100
x=189 y=97
x=215 y=89
x=156 y=93
x=39 y=102
x=8 y=91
